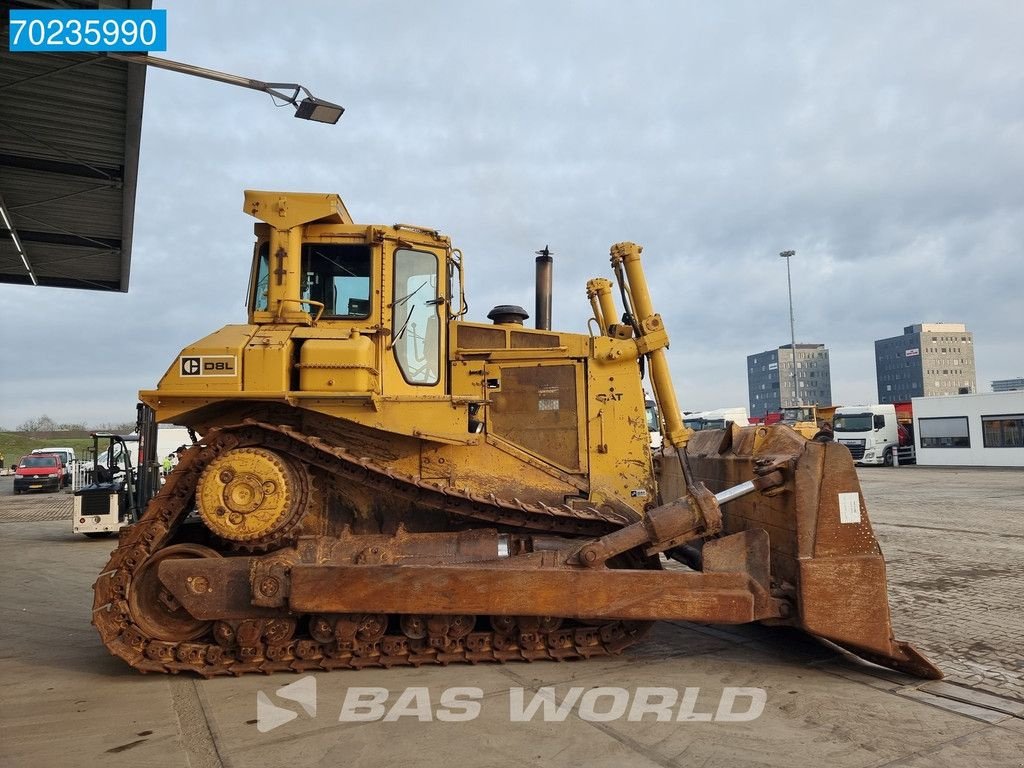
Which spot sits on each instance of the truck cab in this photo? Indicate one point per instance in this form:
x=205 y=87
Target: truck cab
x=719 y=418
x=870 y=432
x=653 y=424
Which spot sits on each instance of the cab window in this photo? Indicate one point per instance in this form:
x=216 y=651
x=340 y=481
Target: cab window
x=260 y=302
x=337 y=276
x=414 y=320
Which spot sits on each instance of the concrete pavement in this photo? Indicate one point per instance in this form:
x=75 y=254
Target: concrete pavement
x=954 y=546
x=65 y=701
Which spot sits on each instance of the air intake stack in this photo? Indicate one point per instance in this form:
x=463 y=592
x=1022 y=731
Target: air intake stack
x=544 y=269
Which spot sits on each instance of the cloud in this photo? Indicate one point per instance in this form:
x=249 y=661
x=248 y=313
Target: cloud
x=883 y=144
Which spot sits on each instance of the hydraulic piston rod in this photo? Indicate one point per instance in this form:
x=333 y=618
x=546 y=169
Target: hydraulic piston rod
x=654 y=338
x=669 y=525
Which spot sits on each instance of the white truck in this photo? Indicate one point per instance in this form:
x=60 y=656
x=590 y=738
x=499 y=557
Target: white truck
x=871 y=432
x=653 y=423
x=716 y=419
x=169 y=439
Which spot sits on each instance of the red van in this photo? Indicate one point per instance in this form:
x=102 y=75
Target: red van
x=39 y=471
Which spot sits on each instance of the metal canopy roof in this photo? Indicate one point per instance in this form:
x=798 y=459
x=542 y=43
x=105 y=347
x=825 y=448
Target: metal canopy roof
x=69 y=152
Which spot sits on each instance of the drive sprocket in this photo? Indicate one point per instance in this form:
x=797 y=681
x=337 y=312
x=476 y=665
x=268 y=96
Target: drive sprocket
x=252 y=496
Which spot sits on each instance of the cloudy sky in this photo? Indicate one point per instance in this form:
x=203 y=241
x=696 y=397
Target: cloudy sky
x=883 y=142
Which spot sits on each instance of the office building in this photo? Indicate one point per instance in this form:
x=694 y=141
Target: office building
x=929 y=359
x=770 y=378
x=1008 y=385
x=984 y=430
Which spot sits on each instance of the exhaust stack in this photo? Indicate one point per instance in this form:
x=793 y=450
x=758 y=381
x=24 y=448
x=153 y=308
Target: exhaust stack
x=544 y=268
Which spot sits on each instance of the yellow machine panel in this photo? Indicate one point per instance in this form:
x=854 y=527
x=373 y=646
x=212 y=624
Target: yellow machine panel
x=268 y=357
x=338 y=365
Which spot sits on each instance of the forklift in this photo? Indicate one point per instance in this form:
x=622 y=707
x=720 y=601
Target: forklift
x=116 y=492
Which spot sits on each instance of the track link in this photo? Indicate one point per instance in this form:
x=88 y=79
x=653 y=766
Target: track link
x=300 y=652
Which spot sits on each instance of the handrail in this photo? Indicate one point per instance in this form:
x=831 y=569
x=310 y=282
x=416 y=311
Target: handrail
x=280 y=317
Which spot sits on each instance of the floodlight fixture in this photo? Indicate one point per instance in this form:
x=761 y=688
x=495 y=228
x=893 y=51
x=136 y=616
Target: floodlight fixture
x=318 y=110
x=309 y=108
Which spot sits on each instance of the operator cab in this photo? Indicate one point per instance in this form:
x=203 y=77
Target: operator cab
x=373 y=297
x=334 y=279
x=797 y=414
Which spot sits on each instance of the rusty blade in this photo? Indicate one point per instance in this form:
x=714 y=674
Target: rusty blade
x=823 y=552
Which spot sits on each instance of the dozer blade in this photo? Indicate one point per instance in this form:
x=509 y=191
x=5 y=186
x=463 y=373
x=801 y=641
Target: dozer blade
x=823 y=553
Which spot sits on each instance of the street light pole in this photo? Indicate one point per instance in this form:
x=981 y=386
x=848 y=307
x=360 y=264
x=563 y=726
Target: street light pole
x=309 y=108
x=787 y=255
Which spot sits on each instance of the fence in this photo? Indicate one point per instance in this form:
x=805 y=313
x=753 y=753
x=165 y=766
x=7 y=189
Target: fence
x=81 y=474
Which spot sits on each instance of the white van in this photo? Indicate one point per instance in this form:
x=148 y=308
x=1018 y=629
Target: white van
x=67 y=458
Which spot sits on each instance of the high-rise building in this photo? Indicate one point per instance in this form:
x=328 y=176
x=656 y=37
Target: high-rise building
x=928 y=359
x=770 y=378
x=1008 y=385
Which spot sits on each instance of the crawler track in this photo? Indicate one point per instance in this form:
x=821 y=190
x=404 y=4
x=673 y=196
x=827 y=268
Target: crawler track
x=305 y=643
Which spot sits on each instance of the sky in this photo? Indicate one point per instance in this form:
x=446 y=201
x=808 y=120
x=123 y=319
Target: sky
x=883 y=142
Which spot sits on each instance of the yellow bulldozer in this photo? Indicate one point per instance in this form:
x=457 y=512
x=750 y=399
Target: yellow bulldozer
x=379 y=482
x=808 y=420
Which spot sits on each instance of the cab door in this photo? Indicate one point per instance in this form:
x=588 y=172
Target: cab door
x=415 y=350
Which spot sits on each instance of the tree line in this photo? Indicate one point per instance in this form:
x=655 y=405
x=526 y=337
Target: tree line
x=45 y=424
